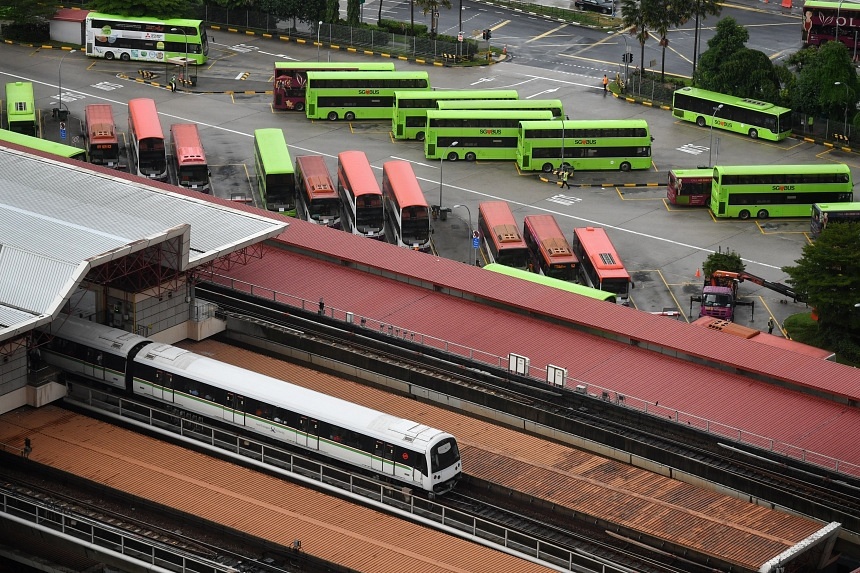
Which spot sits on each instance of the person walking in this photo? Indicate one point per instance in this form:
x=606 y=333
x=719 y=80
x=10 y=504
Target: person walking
x=605 y=84
x=770 y=324
x=564 y=176
x=28 y=447
x=173 y=83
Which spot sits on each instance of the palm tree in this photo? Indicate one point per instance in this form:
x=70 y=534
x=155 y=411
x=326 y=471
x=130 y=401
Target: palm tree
x=432 y=7
x=702 y=8
x=637 y=17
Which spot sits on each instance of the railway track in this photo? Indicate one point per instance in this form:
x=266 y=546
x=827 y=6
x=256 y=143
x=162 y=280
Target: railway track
x=804 y=488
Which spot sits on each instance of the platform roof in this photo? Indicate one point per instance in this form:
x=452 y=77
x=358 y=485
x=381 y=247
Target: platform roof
x=61 y=218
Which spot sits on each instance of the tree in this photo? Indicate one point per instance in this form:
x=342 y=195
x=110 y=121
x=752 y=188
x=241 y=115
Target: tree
x=817 y=92
x=750 y=74
x=432 y=7
x=728 y=40
x=353 y=12
x=155 y=8
x=28 y=11
x=729 y=261
x=829 y=274
x=701 y=9
x=332 y=12
x=637 y=16
x=670 y=13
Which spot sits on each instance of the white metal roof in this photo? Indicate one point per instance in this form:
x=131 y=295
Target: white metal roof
x=58 y=220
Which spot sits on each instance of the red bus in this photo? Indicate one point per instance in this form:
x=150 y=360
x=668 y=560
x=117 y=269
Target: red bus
x=690 y=187
x=825 y=21
x=500 y=235
x=148 y=155
x=407 y=215
x=289 y=79
x=360 y=196
x=600 y=266
x=316 y=198
x=549 y=252
x=189 y=159
x=100 y=130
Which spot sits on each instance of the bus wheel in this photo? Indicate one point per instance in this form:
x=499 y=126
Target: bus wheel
x=754 y=133
x=700 y=121
x=332 y=116
x=419 y=136
x=349 y=116
x=300 y=106
x=470 y=156
x=625 y=166
x=744 y=215
x=453 y=156
x=125 y=57
x=547 y=167
x=109 y=55
x=763 y=214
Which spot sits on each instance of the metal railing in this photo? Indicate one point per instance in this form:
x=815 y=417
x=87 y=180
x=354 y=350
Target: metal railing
x=595 y=391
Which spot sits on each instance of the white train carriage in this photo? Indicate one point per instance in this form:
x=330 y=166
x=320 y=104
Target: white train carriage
x=91 y=349
x=400 y=449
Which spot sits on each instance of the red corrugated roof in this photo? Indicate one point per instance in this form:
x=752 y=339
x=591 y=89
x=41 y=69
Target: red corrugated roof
x=676 y=385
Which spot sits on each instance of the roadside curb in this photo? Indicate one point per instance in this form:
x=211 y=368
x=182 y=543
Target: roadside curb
x=546 y=179
x=351 y=49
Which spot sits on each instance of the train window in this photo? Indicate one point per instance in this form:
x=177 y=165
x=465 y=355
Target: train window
x=404 y=456
x=389 y=452
x=114 y=362
x=421 y=464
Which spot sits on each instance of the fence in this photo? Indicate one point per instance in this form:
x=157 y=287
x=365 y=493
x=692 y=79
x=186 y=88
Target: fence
x=595 y=391
x=373 y=40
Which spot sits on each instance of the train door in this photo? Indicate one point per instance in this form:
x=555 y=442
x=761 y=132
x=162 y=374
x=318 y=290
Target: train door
x=383 y=458
x=308 y=434
x=235 y=409
x=94 y=364
x=163 y=390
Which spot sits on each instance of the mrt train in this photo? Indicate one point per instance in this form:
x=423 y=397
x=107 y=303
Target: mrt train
x=399 y=449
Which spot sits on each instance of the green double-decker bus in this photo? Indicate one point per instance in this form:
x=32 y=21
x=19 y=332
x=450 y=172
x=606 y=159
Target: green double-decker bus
x=36 y=144
x=623 y=144
x=470 y=134
x=755 y=118
x=21 y=108
x=553 y=105
x=410 y=107
x=766 y=191
x=276 y=181
x=552 y=282
x=358 y=95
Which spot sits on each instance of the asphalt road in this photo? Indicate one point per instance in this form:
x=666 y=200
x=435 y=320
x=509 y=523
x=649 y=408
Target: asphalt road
x=663 y=247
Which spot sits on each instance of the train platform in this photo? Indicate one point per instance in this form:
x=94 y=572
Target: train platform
x=737 y=389
x=330 y=528
x=712 y=526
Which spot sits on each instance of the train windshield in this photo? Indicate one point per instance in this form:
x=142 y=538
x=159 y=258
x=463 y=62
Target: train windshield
x=444 y=455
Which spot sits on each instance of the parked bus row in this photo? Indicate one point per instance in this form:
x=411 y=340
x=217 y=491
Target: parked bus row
x=542 y=249
x=148 y=149
x=397 y=211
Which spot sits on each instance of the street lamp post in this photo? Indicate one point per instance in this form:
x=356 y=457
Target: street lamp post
x=845 y=124
x=60 y=103
x=711 y=145
x=441 y=158
x=318 y=39
x=185 y=62
x=472 y=236
x=838 y=10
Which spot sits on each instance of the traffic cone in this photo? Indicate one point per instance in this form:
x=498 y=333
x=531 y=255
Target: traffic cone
x=698 y=273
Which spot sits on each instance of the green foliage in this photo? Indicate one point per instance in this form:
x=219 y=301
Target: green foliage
x=397 y=27
x=669 y=14
x=353 y=12
x=816 y=91
x=748 y=73
x=829 y=273
x=155 y=8
x=637 y=16
x=332 y=12
x=27 y=11
x=727 y=41
x=723 y=261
